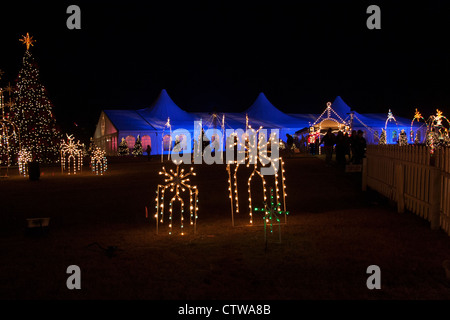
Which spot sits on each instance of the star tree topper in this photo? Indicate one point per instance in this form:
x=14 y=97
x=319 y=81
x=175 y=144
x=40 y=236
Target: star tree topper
x=27 y=40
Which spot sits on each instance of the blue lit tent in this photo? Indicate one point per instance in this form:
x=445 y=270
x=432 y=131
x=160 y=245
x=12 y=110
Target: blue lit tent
x=159 y=113
x=150 y=124
x=117 y=124
x=164 y=108
x=263 y=113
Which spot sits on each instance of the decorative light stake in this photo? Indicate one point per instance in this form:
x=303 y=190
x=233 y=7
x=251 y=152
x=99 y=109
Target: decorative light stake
x=390 y=117
x=99 y=162
x=25 y=157
x=168 y=125
x=71 y=155
x=271 y=214
x=175 y=182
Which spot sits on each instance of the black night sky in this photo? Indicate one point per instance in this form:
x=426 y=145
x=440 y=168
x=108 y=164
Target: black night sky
x=218 y=55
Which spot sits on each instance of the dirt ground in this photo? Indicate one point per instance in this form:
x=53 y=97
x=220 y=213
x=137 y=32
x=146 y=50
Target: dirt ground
x=334 y=231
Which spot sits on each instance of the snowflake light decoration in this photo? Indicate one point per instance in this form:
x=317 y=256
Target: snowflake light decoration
x=99 y=162
x=177 y=183
x=71 y=155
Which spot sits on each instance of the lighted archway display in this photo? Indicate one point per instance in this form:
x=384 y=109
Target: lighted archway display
x=415 y=136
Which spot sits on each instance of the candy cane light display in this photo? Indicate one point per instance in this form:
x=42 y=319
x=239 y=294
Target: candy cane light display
x=256 y=153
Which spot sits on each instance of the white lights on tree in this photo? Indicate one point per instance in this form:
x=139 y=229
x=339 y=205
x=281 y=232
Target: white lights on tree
x=99 y=162
x=403 y=138
x=71 y=155
x=177 y=183
x=382 y=140
x=33 y=111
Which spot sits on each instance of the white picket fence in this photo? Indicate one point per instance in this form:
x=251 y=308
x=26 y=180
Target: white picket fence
x=443 y=163
x=416 y=180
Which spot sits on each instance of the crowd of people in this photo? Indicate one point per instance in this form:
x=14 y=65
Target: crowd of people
x=349 y=149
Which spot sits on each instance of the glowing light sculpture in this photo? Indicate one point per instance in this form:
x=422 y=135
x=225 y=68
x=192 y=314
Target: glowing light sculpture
x=437 y=133
x=177 y=183
x=33 y=112
x=9 y=132
x=271 y=213
x=258 y=158
x=71 y=155
x=25 y=157
x=99 y=162
x=167 y=125
x=417 y=117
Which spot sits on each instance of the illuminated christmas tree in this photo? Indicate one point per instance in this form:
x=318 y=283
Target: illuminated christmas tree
x=33 y=111
x=137 y=149
x=418 y=138
x=403 y=139
x=123 y=148
x=382 y=140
